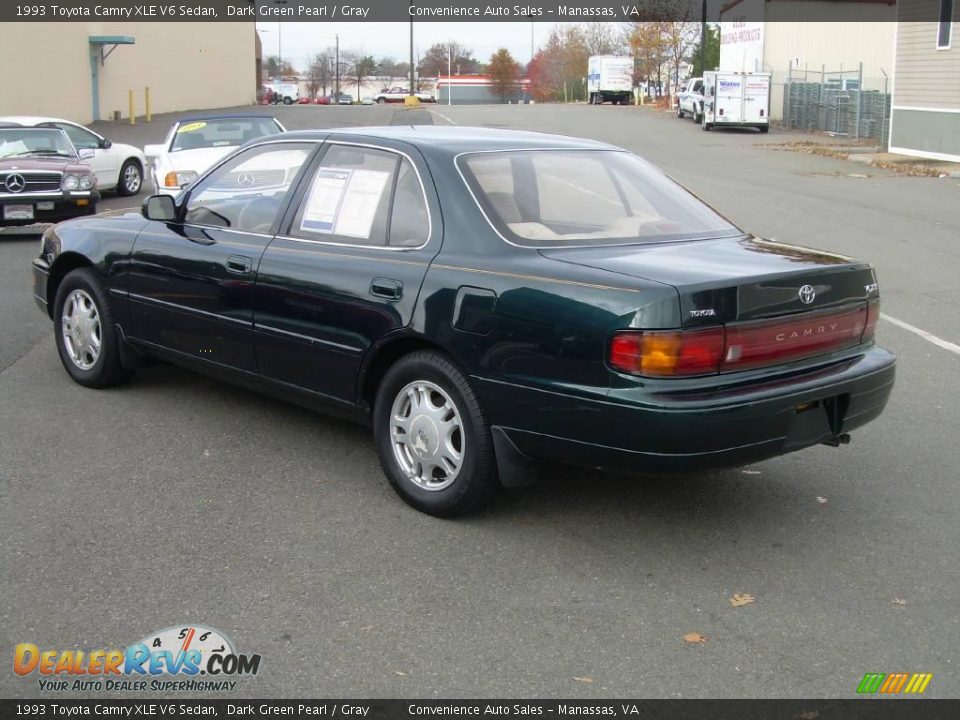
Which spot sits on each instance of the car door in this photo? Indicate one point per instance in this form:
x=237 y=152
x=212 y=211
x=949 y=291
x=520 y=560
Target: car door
x=104 y=163
x=191 y=282
x=347 y=267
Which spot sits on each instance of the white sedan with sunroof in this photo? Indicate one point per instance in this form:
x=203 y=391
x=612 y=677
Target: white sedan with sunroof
x=197 y=143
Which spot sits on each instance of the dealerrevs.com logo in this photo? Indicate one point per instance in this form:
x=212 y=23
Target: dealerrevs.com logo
x=186 y=658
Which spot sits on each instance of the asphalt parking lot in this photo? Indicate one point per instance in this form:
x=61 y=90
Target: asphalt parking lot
x=179 y=499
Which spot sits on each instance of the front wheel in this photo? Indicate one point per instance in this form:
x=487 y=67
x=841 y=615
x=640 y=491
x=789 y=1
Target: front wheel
x=679 y=112
x=432 y=437
x=707 y=126
x=87 y=340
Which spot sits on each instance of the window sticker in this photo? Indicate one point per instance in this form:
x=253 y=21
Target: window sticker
x=320 y=214
x=344 y=202
x=191 y=127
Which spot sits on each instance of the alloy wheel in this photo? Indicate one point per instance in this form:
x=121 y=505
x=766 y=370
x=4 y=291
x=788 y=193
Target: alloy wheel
x=80 y=325
x=427 y=435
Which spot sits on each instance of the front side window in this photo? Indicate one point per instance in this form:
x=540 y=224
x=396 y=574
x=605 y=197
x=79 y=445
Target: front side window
x=560 y=197
x=224 y=132
x=364 y=196
x=945 y=27
x=247 y=191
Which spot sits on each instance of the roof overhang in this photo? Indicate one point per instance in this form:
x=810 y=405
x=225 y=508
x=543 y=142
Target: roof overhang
x=103 y=41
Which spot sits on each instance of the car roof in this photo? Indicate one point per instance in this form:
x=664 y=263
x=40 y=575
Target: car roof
x=30 y=120
x=444 y=139
x=214 y=116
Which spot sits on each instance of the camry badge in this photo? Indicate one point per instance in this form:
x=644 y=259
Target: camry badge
x=15 y=182
x=807 y=294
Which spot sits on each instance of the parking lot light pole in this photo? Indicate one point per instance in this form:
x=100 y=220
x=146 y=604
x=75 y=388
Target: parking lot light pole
x=336 y=92
x=411 y=49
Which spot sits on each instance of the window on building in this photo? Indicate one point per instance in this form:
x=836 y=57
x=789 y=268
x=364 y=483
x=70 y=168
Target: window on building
x=946 y=24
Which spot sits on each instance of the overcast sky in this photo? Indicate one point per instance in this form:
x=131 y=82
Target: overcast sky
x=392 y=39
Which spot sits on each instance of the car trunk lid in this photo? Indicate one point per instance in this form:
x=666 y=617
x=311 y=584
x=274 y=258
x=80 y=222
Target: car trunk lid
x=777 y=302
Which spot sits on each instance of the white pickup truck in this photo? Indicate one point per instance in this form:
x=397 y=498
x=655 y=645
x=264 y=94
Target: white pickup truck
x=690 y=99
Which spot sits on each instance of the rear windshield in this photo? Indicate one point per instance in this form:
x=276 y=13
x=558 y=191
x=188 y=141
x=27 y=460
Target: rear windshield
x=554 y=198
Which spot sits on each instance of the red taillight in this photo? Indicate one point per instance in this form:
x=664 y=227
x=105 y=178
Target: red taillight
x=662 y=354
x=741 y=346
x=873 y=314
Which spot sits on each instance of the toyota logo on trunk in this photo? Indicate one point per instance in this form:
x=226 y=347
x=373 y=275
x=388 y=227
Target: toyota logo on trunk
x=15 y=182
x=807 y=294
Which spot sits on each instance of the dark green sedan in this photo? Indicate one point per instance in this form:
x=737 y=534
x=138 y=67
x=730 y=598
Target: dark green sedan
x=485 y=299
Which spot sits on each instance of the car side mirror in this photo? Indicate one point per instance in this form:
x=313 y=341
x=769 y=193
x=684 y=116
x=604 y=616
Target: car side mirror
x=105 y=144
x=87 y=154
x=159 y=207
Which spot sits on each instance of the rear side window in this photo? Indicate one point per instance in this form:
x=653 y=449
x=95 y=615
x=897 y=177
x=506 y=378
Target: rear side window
x=545 y=198
x=364 y=196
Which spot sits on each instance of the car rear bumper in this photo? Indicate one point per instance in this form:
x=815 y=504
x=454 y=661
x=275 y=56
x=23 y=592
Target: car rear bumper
x=667 y=433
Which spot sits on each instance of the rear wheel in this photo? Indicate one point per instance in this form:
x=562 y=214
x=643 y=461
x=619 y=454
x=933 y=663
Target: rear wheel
x=432 y=437
x=764 y=128
x=131 y=178
x=87 y=340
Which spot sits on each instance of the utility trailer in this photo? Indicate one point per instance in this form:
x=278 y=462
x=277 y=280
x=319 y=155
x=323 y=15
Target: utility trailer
x=736 y=99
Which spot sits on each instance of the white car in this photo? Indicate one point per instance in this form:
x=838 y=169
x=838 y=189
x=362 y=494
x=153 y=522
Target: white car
x=399 y=95
x=116 y=166
x=195 y=144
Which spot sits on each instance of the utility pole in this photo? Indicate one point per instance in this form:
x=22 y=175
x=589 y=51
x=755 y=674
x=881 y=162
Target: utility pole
x=411 y=49
x=703 y=37
x=336 y=94
x=449 y=72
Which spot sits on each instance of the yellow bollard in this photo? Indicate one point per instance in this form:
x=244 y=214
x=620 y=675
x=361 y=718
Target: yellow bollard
x=133 y=119
x=146 y=101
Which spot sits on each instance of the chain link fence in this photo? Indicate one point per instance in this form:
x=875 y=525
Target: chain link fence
x=841 y=102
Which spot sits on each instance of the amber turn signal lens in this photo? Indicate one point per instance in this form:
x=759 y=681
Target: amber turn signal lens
x=664 y=354
x=170 y=180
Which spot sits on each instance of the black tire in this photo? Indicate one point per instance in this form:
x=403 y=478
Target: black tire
x=679 y=112
x=476 y=482
x=707 y=127
x=125 y=186
x=381 y=101
x=107 y=369
x=698 y=119
x=287 y=101
x=764 y=128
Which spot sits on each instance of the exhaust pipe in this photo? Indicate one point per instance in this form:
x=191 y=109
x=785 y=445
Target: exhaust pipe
x=837 y=440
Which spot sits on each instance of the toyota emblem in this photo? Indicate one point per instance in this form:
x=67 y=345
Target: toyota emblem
x=807 y=294
x=15 y=182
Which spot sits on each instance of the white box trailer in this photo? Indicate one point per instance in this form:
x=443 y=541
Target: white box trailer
x=736 y=99
x=610 y=78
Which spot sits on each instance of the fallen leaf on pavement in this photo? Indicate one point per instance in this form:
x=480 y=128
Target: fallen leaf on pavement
x=899 y=602
x=741 y=599
x=821 y=500
x=400 y=673
x=695 y=638
x=588 y=680
x=367 y=627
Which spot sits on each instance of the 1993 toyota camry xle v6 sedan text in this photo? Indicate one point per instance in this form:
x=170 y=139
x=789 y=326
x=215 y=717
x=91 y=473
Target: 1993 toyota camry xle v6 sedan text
x=484 y=299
